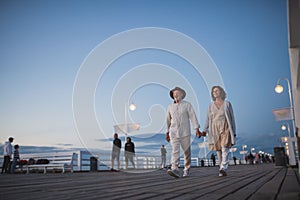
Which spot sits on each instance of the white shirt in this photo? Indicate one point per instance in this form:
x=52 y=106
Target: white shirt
x=179 y=116
x=7 y=149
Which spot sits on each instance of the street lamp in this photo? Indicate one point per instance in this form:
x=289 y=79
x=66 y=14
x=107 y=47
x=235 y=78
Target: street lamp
x=289 y=146
x=286 y=144
x=244 y=152
x=203 y=145
x=132 y=107
x=127 y=127
x=279 y=89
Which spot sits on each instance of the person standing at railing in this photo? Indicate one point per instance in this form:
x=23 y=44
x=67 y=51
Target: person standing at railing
x=179 y=115
x=213 y=158
x=115 y=154
x=16 y=159
x=163 y=156
x=129 y=152
x=220 y=127
x=7 y=152
x=234 y=160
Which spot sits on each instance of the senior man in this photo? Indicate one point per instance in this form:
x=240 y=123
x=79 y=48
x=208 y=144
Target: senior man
x=179 y=115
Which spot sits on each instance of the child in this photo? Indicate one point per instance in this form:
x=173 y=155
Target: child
x=16 y=158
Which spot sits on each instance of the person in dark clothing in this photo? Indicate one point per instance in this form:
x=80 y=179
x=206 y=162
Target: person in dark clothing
x=129 y=152
x=213 y=157
x=251 y=158
x=115 y=154
x=234 y=160
x=16 y=159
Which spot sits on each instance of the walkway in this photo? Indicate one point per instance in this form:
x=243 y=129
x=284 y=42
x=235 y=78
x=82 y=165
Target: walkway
x=243 y=182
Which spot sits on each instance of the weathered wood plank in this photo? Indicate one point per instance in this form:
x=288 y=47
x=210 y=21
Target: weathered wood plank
x=290 y=187
x=260 y=188
x=242 y=182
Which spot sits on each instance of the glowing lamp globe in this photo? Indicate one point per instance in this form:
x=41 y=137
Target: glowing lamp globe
x=278 y=89
x=283 y=127
x=132 y=107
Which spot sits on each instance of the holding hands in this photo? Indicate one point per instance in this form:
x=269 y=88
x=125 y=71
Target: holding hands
x=199 y=134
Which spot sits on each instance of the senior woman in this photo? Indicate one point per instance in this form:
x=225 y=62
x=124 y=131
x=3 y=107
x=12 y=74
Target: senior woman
x=220 y=127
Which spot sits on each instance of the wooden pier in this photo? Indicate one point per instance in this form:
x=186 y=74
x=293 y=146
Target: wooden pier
x=263 y=181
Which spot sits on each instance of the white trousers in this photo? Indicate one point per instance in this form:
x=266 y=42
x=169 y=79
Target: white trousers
x=223 y=158
x=185 y=144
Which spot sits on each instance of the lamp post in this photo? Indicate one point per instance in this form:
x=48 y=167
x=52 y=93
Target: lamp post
x=279 y=89
x=244 y=152
x=232 y=150
x=289 y=147
x=286 y=144
x=132 y=107
x=205 y=145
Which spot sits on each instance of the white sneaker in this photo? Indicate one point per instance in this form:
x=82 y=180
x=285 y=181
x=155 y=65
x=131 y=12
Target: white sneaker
x=173 y=173
x=222 y=172
x=186 y=173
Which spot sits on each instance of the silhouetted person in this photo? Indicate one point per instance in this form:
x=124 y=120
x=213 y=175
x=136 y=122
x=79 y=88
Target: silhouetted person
x=213 y=158
x=234 y=160
x=163 y=156
x=115 y=154
x=7 y=152
x=202 y=163
x=16 y=159
x=251 y=158
x=129 y=152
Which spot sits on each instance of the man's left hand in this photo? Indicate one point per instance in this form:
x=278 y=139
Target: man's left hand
x=198 y=133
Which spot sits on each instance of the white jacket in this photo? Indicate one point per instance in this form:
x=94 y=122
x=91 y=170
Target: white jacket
x=179 y=116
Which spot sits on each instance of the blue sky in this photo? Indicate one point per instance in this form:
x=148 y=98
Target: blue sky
x=44 y=44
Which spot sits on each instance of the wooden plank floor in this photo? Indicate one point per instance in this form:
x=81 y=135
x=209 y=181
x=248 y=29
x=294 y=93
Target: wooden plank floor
x=243 y=182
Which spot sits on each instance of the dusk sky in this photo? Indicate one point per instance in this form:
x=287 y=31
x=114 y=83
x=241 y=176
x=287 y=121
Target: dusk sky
x=68 y=68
